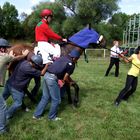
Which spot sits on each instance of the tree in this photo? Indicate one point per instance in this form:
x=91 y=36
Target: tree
x=119 y=19
x=32 y=20
x=118 y=23
x=70 y=26
x=1 y=23
x=105 y=29
x=91 y=11
x=9 y=23
x=85 y=12
x=23 y=16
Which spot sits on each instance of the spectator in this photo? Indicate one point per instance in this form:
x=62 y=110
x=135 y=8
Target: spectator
x=114 y=58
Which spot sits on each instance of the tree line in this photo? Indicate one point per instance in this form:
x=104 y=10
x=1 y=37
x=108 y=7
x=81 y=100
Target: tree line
x=69 y=17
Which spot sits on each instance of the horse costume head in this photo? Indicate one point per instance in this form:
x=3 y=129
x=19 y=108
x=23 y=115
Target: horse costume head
x=87 y=36
x=82 y=39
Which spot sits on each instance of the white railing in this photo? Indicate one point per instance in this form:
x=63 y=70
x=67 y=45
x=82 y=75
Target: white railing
x=99 y=50
x=96 y=54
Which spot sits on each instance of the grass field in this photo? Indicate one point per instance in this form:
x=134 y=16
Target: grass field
x=96 y=118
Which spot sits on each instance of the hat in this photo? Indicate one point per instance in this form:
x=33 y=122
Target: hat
x=75 y=53
x=4 y=43
x=37 y=60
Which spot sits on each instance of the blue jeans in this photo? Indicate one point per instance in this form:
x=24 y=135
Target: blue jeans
x=51 y=91
x=2 y=115
x=17 y=97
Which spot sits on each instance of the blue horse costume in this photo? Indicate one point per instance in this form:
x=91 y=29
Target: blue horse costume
x=85 y=37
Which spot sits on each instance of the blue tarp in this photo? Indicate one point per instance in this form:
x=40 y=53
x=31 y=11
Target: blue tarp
x=84 y=37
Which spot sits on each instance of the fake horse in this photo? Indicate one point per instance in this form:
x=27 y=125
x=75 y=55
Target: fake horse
x=79 y=41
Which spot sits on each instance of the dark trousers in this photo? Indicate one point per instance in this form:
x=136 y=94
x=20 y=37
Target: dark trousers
x=33 y=92
x=129 y=89
x=112 y=62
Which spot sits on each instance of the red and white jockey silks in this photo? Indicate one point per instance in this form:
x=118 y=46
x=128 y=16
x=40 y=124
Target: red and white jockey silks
x=47 y=51
x=44 y=33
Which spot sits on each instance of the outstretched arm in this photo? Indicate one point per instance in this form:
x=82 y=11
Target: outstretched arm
x=125 y=59
x=19 y=57
x=67 y=79
x=45 y=69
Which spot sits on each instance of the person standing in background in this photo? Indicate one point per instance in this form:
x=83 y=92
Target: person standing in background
x=114 y=58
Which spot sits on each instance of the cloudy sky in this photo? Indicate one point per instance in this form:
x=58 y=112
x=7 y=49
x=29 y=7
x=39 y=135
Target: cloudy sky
x=23 y=5
x=127 y=6
x=130 y=6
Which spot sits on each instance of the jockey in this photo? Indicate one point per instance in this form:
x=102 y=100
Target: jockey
x=43 y=34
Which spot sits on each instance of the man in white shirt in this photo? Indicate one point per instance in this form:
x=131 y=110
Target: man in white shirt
x=114 y=58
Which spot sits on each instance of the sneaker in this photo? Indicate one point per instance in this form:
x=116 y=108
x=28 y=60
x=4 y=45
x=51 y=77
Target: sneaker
x=37 y=118
x=8 y=117
x=27 y=109
x=56 y=119
x=116 y=103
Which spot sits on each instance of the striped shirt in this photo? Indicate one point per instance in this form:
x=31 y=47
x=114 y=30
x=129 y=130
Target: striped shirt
x=115 y=51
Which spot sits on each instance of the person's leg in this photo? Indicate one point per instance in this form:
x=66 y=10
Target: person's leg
x=36 y=87
x=23 y=106
x=17 y=97
x=129 y=80
x=63 y=91
x=55 y=98
x=133 y=88
x=110 y=66
x=43 y=102
x=26 y=91
x=34 y=91
x=117 y=67
x=6 y=91
x=2 y=115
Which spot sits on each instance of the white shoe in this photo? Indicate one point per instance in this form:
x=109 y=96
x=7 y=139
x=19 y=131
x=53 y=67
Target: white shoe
x=36 y=118
x=27 y=109
x=57 y=119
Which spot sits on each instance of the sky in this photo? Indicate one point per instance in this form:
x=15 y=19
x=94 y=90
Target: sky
x=127 y=6
x=23 y=5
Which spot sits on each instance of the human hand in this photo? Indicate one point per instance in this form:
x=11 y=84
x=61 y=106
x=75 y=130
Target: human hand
x=25 y=52
x=11 y=53
x=61 y=83
x=121 y=55
x=65 y=40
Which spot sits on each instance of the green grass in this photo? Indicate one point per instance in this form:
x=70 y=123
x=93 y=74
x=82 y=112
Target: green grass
x=96 y=118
